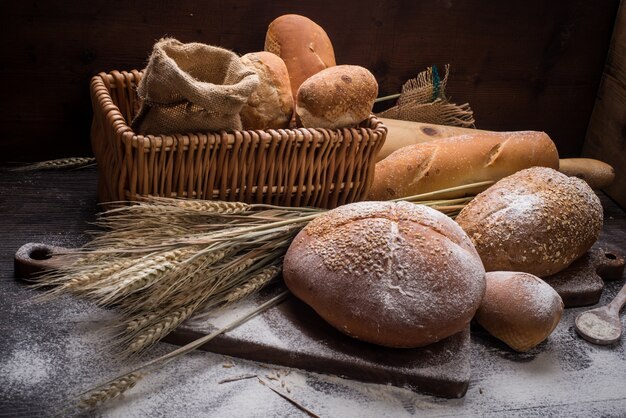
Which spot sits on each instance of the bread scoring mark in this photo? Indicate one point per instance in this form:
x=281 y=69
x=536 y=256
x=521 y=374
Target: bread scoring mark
x=495 y=151
x=423 y=168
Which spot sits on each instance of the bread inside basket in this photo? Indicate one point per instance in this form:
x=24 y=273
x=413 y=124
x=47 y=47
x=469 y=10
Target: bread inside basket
x=291 y=167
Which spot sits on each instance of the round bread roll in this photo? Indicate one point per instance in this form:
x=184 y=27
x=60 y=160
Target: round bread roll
x=519 y=309
x=393 y=274
x=302 y=44
x=536 y=221
x=271 y=105
x=336 y=97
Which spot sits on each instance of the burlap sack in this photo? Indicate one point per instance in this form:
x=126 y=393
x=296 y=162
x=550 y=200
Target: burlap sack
x=423 y=100
x=192 y=88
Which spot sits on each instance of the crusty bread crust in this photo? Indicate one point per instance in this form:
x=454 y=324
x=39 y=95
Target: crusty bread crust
x=337 y=97
x=536 y=221
x=271 y=105
x=394 y=274
x=302 y=44
x=519 y=309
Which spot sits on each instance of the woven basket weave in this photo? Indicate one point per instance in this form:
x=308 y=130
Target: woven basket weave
x=292 y=167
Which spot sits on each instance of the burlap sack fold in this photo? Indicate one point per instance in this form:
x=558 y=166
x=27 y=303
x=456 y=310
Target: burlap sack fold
x=192 y=88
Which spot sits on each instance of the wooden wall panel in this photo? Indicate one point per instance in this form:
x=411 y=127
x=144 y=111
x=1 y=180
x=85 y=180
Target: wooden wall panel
x=606 y=136
x=521 y=64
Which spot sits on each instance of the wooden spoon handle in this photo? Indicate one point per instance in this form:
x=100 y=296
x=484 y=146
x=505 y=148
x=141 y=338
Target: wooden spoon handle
x=618 y=302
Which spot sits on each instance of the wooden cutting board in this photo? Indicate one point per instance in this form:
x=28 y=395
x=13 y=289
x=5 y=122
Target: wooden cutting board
x=581 y=284
x=293 y=335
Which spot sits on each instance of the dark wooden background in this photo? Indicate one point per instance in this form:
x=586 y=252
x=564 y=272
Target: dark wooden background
x=527 y=64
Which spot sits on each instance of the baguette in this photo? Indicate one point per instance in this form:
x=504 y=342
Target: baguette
x=450 y=162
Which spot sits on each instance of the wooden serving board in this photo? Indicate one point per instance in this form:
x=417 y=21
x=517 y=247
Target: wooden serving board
x=292 y=334
x=581 y=284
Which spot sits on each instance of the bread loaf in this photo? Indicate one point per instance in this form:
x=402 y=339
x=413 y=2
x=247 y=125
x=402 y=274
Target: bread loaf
x=460 y=160
x=271 y=105
x=394 y=274
x=536 y=221
x=597 y=174
x=402 y=133
x=302 y=44
x=519 y=309
x=337 y=97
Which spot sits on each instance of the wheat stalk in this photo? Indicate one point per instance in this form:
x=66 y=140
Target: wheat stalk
x=110 y=391
x=58 y=164
x=120 y=384
x=253 y=285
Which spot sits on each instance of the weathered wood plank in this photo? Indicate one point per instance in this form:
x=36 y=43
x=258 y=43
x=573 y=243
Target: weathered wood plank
x=606 y=136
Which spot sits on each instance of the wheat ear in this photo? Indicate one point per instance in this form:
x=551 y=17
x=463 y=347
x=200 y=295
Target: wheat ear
x=110 y=391
x=120 y=384
x=58 y=164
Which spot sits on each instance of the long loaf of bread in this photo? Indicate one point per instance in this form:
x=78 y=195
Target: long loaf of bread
x=449 y=162
x=401 y=133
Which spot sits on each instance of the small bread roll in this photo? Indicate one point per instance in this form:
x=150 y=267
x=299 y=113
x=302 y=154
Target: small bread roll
x=519 y=309
x=302 y=44
x=337 y=97
x=271 y=105
x=536 y=221
x=394 y=274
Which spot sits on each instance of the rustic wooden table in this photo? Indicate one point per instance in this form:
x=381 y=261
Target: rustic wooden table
x=50 y=352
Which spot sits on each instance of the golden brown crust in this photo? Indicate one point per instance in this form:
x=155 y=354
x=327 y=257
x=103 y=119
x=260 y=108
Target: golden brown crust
x=302 y=44
x=394 y=274
x=596 y=173
x=271 y=105
x=536 y=221
x=519 y=309
x=337 y=97
x=465 y=159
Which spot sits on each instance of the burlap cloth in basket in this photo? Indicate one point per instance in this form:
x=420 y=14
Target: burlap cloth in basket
x=192 y=88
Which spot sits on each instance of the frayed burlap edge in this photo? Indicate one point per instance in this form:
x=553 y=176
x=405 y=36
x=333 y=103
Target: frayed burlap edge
x=423 y=100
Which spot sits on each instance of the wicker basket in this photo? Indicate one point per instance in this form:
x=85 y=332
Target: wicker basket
x=292 y=167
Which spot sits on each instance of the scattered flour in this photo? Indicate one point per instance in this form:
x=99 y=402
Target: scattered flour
x=27 y=366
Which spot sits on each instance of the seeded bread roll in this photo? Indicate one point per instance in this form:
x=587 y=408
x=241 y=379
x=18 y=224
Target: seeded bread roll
x=337 y=97
x=448 y=162
x=536 y=221
x=394 y=274
x=271 y=105
x=519 y=309
x=302 y=44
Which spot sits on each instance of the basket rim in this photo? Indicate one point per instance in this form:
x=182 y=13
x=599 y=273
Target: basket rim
x=102 y=96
